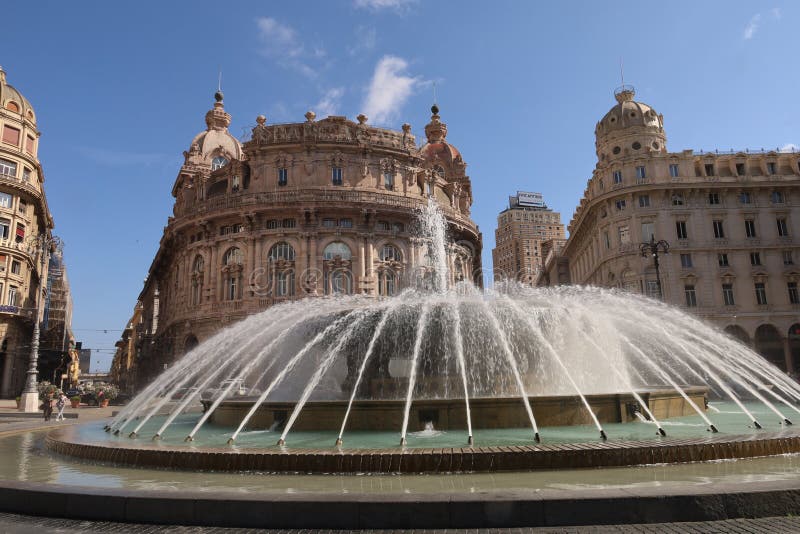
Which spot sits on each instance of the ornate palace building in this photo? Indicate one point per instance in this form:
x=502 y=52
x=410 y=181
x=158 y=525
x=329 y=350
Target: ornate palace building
x=732 y=222
x=311 y=208
x=522 y=229
x=23 y=214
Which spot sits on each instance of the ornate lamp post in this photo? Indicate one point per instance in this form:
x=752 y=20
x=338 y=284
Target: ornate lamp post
x=42 y=245
x=652 y=248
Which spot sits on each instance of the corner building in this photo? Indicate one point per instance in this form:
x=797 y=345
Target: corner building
x=304 y=209
x=23 y=214
x=732 y=221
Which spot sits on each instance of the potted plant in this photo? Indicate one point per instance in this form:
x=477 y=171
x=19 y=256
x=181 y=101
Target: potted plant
x=75 y=401
x=105 y=394
x=18 y=399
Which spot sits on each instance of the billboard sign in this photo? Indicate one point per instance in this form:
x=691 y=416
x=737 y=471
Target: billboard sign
x=530 y=199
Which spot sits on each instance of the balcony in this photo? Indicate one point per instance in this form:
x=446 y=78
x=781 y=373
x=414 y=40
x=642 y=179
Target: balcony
x=19 y=183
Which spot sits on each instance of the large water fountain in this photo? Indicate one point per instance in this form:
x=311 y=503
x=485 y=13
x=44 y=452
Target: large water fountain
x=442 y=367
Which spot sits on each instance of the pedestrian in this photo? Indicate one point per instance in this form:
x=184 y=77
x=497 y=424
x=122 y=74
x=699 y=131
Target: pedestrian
x=47 y=405
x=61 y=403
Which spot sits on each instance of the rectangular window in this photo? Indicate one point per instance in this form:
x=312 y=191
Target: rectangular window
x=787 y=257
x=388 y=180
x=777 y=197
x=772 y=168
x=755 y=258
x=617 y=177
x=750 y=227
x=648 y=231
x=740 y=169
x=673 y=170
x=761 y=293
x=783 y=228
x=640 y=173
x=607 y=240
x=20 y=234
x=713 y=198
x=26 y=175
x=12 y=295
x=624 y=234
x=746 y=198
x=6 y=200
x=691 y=296
x=644 y=201
x=288 y=223
x=23 y=207
x=15 y=267
x=3 y=261
x=329 y=223
x=709 y=169
x=336 y=176
x=272 y=224
x=29 y=145
x=727 y=294
x=722 y=259
x=397 y=227
x=283 y=176
x=677 y=200
x=383 y=225
x=794 y=298
x=8 y=168
x=346 y=223
x=651 y=289
x=719 y=230
x=680 y=227
x=686 y=260
x=11 y=135
x=620 y=205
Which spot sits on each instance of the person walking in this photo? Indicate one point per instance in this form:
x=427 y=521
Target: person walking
x=61 y=403
x=47 y=405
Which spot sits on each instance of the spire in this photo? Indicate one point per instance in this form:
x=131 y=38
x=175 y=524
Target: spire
x=217 y=118
x=436 y=130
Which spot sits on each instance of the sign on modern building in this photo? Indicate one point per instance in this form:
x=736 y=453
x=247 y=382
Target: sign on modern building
x=530 y=199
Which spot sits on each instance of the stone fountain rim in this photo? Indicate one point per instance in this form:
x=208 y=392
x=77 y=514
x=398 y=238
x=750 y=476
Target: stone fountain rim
x=431 y=460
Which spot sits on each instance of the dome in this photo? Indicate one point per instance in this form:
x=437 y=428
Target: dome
x=437 y=147
x=216 y=140
x=10 y=97
x=629 y=127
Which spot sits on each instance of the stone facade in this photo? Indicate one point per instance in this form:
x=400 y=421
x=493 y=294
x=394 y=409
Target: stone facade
x=23 y=214
x=312 y=208
x=732 y=222
x=521 y=231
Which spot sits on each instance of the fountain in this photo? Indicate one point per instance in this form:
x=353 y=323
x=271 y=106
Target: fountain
x=454 y=375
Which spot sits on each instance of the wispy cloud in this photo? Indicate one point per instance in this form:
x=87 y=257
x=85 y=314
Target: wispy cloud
x=121 y=158
x=281 y=43
x=389 y=89
x=329 y=103
x=755 y=22
x=790 y=147
x=378 y=5
x=752 y=27
x=365 y=41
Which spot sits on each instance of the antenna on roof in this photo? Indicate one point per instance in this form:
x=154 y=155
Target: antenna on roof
x=434 y=92
x=219 y=80
x=621 y=71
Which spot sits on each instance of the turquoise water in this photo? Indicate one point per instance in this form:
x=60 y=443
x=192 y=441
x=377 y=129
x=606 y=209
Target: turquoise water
x=729 y=419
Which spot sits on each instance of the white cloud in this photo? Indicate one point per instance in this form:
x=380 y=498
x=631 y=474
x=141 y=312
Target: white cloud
x=377 y=5
x=281 y=43
x=365 y=41
x=776 y=13
x=790 y=147
x=329 y=103
x=389 y=89
x=752 y=27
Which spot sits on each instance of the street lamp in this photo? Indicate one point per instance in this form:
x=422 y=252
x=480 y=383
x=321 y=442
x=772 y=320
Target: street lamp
x=652 y=248
x=42 y=245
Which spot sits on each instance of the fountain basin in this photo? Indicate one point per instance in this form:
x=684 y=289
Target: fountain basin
x=450 y=414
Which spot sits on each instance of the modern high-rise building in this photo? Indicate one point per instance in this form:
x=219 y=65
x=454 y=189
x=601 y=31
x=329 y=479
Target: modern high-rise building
x=304 y=209
x=24 y=214
x=522 y=228
x=731 y=221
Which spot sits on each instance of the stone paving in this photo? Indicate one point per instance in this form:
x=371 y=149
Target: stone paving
x=12 y=523
x=11 y=424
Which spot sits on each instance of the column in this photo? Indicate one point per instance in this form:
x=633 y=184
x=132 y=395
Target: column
x=208 y=275
x=787 y=355
x=5 y=388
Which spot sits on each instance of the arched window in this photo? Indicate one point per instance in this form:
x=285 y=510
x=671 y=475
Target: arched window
x=12 y=106
x=390 y=253
x=197 y=280
x=337 y=250
x=233 y=256
x=769 y=344
x=439 y=171
x=281 y=251
x=387 y=282
x=232 y=261
x=218 y=163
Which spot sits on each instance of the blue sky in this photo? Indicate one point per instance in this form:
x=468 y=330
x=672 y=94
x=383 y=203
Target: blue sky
x=120 y=89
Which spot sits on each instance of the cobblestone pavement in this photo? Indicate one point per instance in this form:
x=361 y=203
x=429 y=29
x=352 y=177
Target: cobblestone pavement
x=12 y=523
